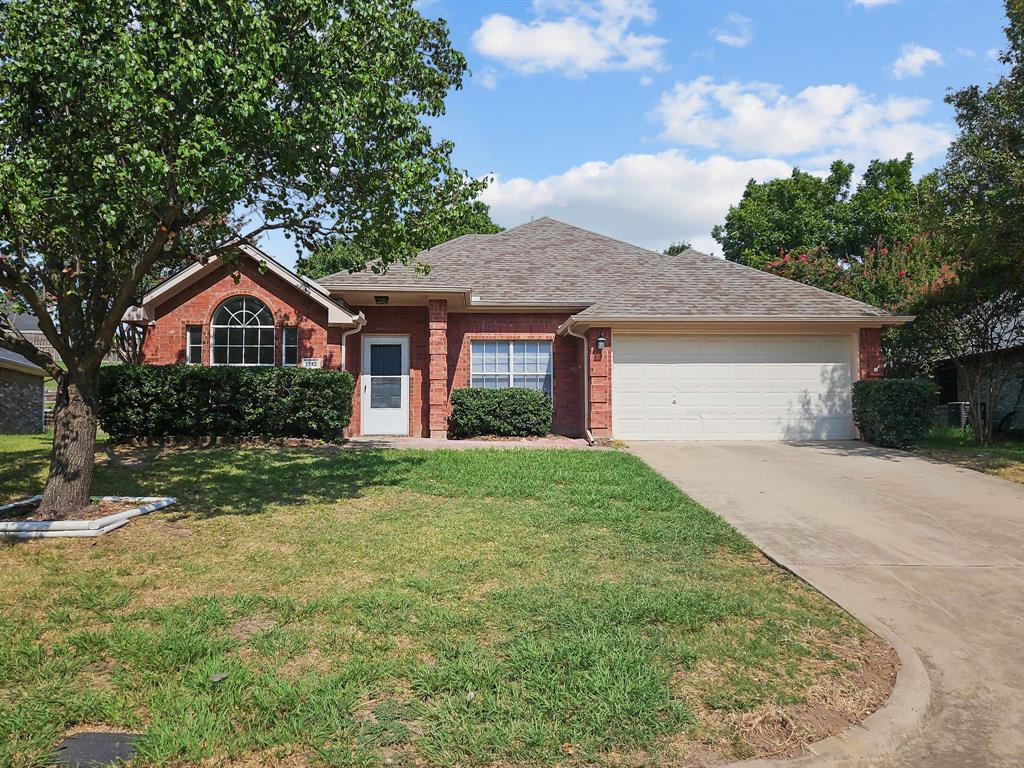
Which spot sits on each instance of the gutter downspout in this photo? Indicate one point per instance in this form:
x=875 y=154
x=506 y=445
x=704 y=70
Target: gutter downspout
x=586 y=381
x=360 y=323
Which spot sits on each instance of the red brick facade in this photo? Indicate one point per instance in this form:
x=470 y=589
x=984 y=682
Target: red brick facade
x=566 y=376
x=165 y=340
x=872 y=362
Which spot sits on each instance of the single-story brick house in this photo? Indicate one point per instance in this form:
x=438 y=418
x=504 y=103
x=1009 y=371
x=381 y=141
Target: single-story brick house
x=629 y=343
x=21 y=394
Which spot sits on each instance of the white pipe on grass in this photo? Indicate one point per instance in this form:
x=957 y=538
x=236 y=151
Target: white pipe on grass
x=69 y=527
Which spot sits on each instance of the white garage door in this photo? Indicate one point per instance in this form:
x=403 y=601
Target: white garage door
x=715 y=387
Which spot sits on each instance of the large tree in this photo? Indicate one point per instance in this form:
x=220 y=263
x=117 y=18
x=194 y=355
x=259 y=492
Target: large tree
x=976 y=319
x=804 y=212
x=142 y=135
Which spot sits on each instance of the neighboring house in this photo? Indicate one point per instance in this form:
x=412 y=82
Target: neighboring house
x=629 y=343
x=1009 y=406
x=21 y=395
x=29 y=327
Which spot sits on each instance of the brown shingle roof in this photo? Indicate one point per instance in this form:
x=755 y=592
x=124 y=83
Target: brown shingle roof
x=547 y=262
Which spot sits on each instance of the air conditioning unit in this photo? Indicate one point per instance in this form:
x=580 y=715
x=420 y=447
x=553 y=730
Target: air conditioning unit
x=952 y=414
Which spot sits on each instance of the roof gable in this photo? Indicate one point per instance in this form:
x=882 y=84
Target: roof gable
x=337 y=314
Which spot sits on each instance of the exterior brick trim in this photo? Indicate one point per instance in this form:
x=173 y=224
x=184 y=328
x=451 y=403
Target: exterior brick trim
x=600 y=382
x=437 y=324
x=872 y=361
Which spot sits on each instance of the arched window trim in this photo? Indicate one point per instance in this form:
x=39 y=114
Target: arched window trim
x=249 y=326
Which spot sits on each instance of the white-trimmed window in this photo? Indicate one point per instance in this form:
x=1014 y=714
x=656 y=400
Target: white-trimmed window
x=242 y=333
x=502 y=364
x=290 y=346
x=194 y=344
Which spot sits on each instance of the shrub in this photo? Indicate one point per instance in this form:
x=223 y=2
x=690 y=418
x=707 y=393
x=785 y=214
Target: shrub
x=223 y=401
x=512 y=412
x=894 y=412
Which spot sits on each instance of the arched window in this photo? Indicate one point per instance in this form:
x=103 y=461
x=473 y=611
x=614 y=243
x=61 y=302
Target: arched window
x=243 y=333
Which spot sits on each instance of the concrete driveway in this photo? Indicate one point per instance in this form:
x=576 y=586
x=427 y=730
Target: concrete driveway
x=930 y=555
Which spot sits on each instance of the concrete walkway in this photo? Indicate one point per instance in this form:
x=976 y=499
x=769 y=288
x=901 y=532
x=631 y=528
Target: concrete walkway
x=428 y=443
x=929 y=555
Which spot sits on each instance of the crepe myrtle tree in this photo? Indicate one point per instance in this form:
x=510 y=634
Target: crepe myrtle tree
x=137 y=137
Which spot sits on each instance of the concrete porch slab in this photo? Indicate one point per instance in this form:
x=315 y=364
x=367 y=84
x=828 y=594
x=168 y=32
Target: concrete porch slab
x=428 y=443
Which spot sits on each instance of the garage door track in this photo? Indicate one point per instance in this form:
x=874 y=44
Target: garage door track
x=931 y=554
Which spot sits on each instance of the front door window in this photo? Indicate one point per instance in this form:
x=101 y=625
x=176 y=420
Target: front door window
x=385 y=375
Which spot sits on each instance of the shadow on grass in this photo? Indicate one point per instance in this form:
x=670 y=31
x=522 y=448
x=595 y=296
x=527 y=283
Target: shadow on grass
x=209 y=482
x=22 y=472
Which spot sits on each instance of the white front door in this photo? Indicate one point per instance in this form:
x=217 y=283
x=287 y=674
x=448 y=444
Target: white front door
x=385 y=383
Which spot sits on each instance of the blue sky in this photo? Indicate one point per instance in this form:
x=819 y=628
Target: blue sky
x=644 y=119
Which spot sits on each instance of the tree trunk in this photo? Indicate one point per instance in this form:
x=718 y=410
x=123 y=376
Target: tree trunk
x=74 y=451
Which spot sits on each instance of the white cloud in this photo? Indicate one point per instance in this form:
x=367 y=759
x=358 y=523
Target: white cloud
x=736 y=30
x=913 y=60
x=646 y=80
x=647 y=199
x=820 y=121
x=489 y=79
x=573 y=37
x=874 y=3
x=993 y=53
x=967 y=53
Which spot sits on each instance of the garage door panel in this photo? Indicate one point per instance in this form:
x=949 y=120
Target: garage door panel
x=731 y=387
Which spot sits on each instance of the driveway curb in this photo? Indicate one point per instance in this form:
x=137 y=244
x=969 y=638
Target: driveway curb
x=876 y=740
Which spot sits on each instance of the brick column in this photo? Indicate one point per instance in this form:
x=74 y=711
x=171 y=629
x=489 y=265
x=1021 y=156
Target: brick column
x=437 y=313
x=872 y=363
x=600 y=384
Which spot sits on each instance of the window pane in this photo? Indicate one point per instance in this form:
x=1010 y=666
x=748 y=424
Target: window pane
x=261 y=315
x=533 y=381
x=250 y=355
x=234 y=355
x=385 y=391
x=195 y=335
x=489 y=381
x=267 y=337
x=220 y=336
x=251 y=337
x=385 y=359
x=290 y=353
x=235 y=337
x=220 y=355
x=266 y=355
x=531 y=357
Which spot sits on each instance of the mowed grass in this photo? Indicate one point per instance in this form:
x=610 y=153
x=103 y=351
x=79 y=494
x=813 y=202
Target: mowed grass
x=339 y=607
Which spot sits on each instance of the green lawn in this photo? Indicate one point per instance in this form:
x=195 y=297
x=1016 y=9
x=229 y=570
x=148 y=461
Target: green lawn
x=1003 y=458
x=492 y=607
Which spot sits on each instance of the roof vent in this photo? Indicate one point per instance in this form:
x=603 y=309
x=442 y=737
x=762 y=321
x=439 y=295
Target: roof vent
x=380 y=300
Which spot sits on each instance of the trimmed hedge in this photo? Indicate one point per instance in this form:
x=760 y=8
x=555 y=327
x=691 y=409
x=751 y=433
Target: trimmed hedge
x=511 y=412
x=894 y=412
x=223 y=401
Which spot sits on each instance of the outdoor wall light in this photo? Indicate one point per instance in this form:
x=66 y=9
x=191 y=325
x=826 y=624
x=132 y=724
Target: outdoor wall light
x=380 y=300
x=602 y=342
